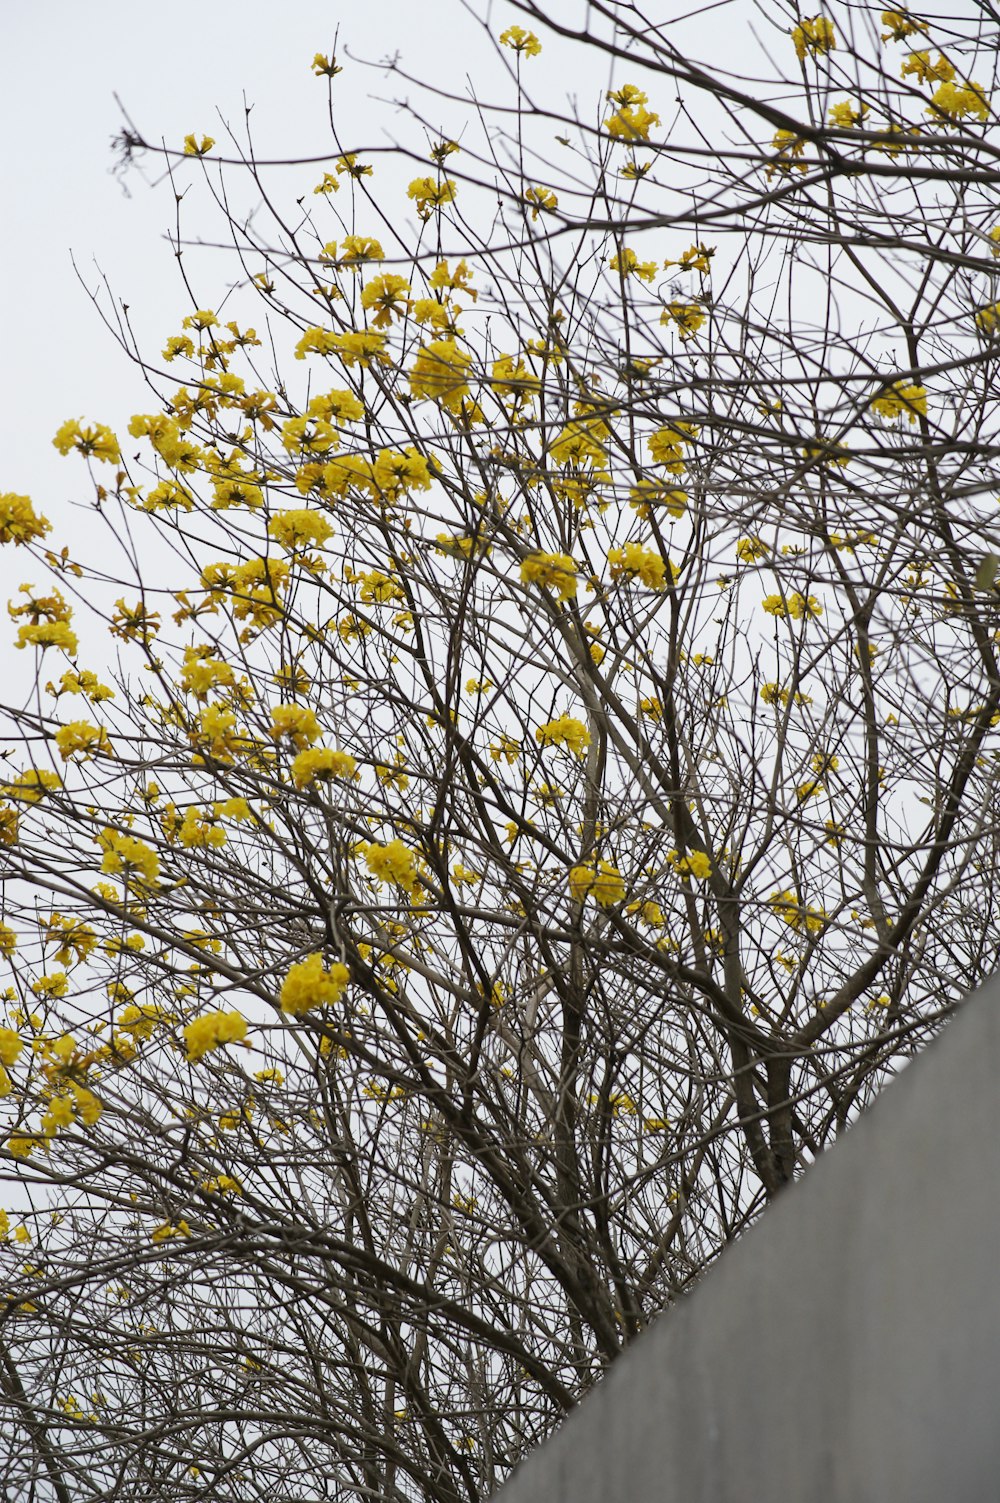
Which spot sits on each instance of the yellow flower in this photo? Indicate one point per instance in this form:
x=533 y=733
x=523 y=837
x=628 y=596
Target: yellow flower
x=687 y=318
x=322 y=763
x=195 y=148
x=22 y=1146
x=524 y=43
x=694 y=864
x=431 y=193
x=82 y=681
x=540 y=200
x=815 y=37
x=667 y=445
x=645 y=564
x=165 y=1232
x=75 y=938
x=803 y=605
x=393 y=862
x=325 y=67
x=954 y=101
x=81 y=739
x=901 y=25
x=128 y=858
x=354 y=250
x=55 y=985
x=647 y=912
x=308 y=985
x=295 y=723
x=18 y=520
x=557 y=571
x=598 y=880
x=211 y=1031
x=566 y=731
x=507 y=748
x=919 y=66
x=295 y=530
x=59 y=1114
x=695 y=258
x=987 y=321
x=385 y=296
x=351 y=167
x=28 y=787
x=97 y=441
x=902 y=397
x=631 y=121
x=798 y=916
x=787 y=146
x=11 y=1045
x=628 y=264
x=48 y=634
x=845 y=115
x=440 y=372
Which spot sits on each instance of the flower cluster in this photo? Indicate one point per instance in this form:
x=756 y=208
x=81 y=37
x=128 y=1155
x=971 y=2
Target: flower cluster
x=598 y=880
x=308 y=985
x=211 y=1030
x=566 y=731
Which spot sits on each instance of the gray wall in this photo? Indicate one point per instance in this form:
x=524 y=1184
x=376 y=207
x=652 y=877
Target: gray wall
x=848 y=1348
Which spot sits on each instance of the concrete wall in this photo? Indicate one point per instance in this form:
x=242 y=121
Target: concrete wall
x=848 y=1348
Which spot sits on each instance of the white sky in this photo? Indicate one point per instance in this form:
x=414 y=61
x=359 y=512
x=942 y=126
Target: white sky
x=176 y=68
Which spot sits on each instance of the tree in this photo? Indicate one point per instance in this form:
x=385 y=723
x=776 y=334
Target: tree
x=545 y=784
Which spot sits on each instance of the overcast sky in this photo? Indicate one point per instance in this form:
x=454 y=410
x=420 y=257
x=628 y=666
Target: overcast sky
x=176 y=69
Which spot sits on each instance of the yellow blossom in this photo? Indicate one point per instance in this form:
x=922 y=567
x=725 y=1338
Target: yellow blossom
x=631 y=121
x=431 y=193
x=309 y=985
x=195 y=148
x=128 y=858
x=524 y=43
x=638 y=563
x=322 y=763
x=11 y=1045
x=695 y=258
x=384 y=296
x=295 y=530
x=902 y=397
x=815 y=36
x=393 y=862
x=787 y=147
x=687 y=318
x=48 y=634
x=901 y=25
x=440 y=372
x=19 y=522
x=211 y=1030
x=798 y=916
x=325 y=67
x=694 y=864
x=28 y=787
x=95 y=442
x=540 y=200
x=627 y=263
x=598 y=880
x=953 y=102
x=918 y=65
x=80 y=739
x=557 y=571
x=295 y=723
x=846 y=116
x=566 y=731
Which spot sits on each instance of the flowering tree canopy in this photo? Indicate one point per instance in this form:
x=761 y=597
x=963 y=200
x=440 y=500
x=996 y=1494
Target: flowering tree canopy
x=543 y=780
